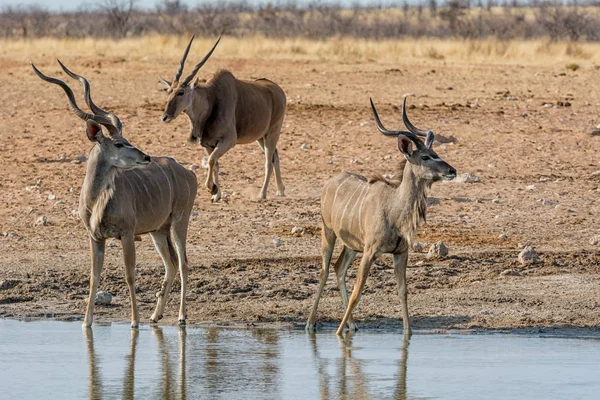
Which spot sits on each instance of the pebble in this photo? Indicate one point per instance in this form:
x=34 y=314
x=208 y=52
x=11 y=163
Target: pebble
x=297 y=230
x=437 y=250
x=6 y=284
x=467 y=178
x=51 y=196
x=75 y=213
x=194 y=167
x=277 y=242
x=41 y=220
x=549 y=203
x=503 y=236
x=530 y=187
x=496 y=200
x=195 y=213
x=304 y=146
x=103 y=298
x=418 y=247
x=595 y=132
x=59 y=203
x=510 y=272
x=364 y=123
x=529 y=256
x=595 y=240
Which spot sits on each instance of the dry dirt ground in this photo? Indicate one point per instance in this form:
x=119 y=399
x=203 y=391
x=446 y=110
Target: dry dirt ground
x=537 y=160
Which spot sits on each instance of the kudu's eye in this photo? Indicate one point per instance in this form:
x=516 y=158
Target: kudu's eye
x=179 y=93
x=425 y=158
x=119 y=145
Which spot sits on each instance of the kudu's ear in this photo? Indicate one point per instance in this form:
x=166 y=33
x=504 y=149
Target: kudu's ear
x=93 y=130
x=405 y=145
x=429 y=140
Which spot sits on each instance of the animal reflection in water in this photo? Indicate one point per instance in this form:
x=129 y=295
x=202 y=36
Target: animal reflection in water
x=214 y=366
x=348 y=382
x=170 y=387
x=217 y=361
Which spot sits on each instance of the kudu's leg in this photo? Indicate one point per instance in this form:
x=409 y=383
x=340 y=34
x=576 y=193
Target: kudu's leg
x=97 y=254
x=400 y=261
x=212 y=182
x=127 y=241
x=165 y=249
x=361 y=279
x=328 y=239
x=180 y=228
x=341 y=268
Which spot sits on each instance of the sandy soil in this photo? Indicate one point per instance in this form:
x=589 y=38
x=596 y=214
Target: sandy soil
x=504 y=135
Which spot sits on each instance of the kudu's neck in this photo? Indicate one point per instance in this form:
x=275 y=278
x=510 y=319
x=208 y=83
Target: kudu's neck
x=98 y=187
x=409 y=205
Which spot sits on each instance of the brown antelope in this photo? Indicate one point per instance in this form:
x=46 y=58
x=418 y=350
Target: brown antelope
x=126 y=193
x=226 y=111
x=376 y=216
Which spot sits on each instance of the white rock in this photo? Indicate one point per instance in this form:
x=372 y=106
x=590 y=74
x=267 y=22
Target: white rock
x=364 y=123
x=41 y=220
x=204 y=162
x=75 y=213
x=304 y=146
x=103 y=298
x=595 y=240
x=437 y=250
x=51 y=196
x=530 y=187
x=467 y=178
x=59 y=203
x=277 y=242
x=503 y=236
x=387 y=157
x=529 y=256
x=496 y=200
x=195 y=213
x=297 y=230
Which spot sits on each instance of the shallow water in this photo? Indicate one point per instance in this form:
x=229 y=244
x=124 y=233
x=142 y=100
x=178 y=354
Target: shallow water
x=57 y=360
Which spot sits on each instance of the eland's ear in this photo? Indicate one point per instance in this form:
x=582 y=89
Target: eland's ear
x=93 y=131
x=164 y=81
x=405 y=145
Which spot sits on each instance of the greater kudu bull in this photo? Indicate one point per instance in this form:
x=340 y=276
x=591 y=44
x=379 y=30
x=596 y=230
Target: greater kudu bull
x=375 y=216
x=126 y=193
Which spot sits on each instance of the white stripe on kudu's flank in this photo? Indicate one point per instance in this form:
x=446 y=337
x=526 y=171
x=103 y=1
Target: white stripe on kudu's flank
x=347 y=203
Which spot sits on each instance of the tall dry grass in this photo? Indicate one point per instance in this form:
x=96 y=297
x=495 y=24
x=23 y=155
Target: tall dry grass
x=485 y=51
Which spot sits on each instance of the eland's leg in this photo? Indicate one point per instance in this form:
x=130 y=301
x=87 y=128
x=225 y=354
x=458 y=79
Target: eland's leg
x=212 y=182
x=361 y=279
x=400 y=261
x=164 y=247
x=341 y=268
x=328 y=239
x=97 y=254
x=127 y=241
x=269 y=145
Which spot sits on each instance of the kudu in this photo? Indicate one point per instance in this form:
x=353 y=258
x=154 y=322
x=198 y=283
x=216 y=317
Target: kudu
x=226 y=111
x=126 y=193
x=375 y=216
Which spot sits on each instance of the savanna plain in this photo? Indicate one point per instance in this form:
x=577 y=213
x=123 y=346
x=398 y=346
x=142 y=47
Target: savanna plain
x=517 y=115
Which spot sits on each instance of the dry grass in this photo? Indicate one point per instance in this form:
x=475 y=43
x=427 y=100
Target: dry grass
x=487 y=51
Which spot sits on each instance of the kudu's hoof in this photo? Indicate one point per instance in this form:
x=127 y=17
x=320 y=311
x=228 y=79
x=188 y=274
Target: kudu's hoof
x=155 y=320
x=310 y=328
x=182 y=322
x=135 y=325
x=214 y=190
